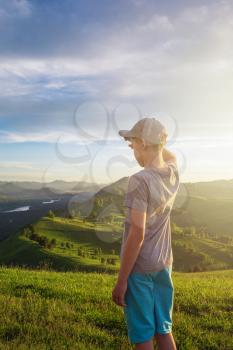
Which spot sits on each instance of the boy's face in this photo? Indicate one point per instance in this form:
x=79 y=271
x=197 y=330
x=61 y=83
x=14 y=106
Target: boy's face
x=137 y=145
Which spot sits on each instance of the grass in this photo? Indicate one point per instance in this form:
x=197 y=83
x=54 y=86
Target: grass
x=20 y=250
x=74 y=310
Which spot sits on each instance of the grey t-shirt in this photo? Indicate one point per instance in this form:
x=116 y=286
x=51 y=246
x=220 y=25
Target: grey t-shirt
x=153 y=191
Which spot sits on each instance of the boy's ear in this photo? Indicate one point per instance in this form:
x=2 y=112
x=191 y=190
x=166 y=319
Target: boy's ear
x=143 y=143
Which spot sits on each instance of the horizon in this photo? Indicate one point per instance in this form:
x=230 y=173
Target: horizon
x=106 y=184
x=64 y=101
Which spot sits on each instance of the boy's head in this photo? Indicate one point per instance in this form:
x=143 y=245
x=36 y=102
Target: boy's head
x=147 y=138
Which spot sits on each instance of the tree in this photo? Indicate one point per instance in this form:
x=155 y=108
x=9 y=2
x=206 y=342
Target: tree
x=43 y=241
x=67 y=245
x=34 y=236
x=53 y=242
x=31 y=228
x=189 y=231
x=113 y=261
x=79 y=251
x=197 y=268
x=225 y=239
x=51 y=214
x=176 y=229
x=71 y=214
x=26 y=232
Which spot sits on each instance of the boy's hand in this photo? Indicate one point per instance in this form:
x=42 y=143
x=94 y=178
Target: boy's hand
x=118 y=293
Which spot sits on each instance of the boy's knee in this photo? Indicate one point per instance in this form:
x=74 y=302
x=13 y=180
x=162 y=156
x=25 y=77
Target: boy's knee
x=159 y=336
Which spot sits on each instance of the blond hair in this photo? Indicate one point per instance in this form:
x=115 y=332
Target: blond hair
x=155 y=147
x=158 y=147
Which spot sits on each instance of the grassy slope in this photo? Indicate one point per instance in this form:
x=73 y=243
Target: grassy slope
x=216 y=214
x=58 y=310
x=22 y=251
x=220 y=254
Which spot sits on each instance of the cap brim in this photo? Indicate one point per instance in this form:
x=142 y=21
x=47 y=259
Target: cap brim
x=125 y=133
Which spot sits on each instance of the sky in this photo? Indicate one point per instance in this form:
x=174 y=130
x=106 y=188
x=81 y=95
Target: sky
x=73 y=73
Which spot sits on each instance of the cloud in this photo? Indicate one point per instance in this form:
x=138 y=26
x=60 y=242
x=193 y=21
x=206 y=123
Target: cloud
x=23 y=77
x=204 y=142
x=14 y=8
x=157 y=23
x=48 y=137
x=71 y=138
x=162 y=60
x=19 y=165
x=194 y=14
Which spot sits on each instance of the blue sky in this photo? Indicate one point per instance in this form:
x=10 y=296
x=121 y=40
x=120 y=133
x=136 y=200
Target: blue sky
x=73 y=73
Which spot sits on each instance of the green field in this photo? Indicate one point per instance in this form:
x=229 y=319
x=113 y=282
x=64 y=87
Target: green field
x=20 y=250
x=189 y=251
x=57 y=299
x=67 y=310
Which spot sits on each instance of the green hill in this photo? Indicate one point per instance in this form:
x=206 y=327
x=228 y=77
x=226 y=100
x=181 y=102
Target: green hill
x=82 y=245
x=208 y=204
x=76 y=246
x=215 y=214
x=198 y=204
x=65 y=310
x=191 y=249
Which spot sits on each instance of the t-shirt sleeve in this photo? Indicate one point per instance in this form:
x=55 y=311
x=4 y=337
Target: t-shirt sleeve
x=137 y=193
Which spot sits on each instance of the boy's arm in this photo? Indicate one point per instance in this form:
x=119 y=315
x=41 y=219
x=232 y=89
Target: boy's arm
x=168 y=156
x=133 y=244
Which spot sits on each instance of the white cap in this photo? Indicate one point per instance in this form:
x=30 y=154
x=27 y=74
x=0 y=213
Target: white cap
x=151 y=130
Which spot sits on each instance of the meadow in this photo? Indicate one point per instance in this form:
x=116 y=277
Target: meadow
x=60 y=297
x=43 y=309
x=71 y=236
x=83 y=245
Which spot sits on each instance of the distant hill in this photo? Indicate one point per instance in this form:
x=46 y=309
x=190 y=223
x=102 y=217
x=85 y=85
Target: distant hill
x=217 y=189
x=13 y=190
x=199 y=204
x=202 y=227
x=208 y=204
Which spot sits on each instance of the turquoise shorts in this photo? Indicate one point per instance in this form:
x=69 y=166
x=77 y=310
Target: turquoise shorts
x=149 y=304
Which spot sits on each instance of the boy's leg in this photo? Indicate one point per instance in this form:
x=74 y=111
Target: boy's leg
x=164 y=293
x=165 y=341
x=139 y=312
x=148 y=345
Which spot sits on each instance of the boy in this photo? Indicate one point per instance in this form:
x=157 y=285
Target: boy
x=144 y=287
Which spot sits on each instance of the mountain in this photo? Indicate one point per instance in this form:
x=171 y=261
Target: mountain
x=13 y=190
x=217 y=189
x=199 y=221
x=201 y=204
